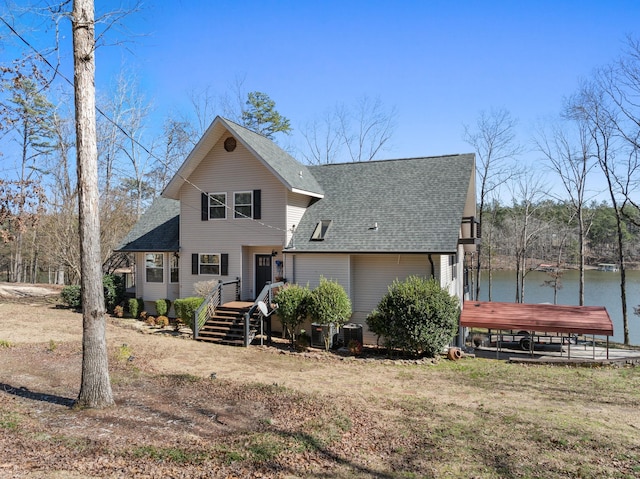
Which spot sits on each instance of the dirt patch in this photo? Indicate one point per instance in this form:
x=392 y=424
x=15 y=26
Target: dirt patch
x=26 y=291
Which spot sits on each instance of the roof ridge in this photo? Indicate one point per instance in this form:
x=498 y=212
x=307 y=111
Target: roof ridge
x=388 y=160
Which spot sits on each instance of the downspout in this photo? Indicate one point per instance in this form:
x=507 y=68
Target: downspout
x=433 y=276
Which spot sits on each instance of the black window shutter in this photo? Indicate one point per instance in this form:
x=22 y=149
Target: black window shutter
x=224 y=264
x=204 y=207
x=257 y=204
x=194 y=263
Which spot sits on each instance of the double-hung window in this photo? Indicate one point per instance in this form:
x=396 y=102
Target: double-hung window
x=209 y=264
x=243 y=204
x=217 y=206
x=154 y=267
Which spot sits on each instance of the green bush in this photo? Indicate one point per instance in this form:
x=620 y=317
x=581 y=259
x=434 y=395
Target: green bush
x=186 y=307
x=330 y=304
x=113 y=291
x=72 y=296
x=293 y=307
x=134 y=307
x=161 y=307
x=416 y=316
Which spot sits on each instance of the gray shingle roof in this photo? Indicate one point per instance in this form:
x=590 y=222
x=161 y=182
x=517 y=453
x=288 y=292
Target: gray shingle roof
x=287 y=169
x=416 y=203
x=158 y=229
x=295 y=175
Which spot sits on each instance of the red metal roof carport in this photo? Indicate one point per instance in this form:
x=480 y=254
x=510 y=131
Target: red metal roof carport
x=538 y=317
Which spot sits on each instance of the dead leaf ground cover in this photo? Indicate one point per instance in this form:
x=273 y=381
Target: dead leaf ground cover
x=270 y=414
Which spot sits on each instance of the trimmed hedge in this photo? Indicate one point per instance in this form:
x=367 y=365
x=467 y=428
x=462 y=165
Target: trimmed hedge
x=161 y=307
x=186 y=307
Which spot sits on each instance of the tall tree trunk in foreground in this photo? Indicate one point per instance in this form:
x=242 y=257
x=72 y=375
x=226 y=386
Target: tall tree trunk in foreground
x=95 y=389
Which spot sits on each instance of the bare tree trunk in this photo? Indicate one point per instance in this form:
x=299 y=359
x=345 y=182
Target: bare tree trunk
x=95 y=389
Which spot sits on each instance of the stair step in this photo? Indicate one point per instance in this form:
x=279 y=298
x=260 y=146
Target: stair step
x=226 y=326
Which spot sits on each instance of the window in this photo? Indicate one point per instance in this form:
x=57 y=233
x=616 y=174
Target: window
x=242 y=204
x=174 y=265
x=217 y=206
x=320 y=231
x=154 y=265
x=209 y=264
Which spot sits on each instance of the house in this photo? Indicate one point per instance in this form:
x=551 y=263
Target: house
x=241 y=207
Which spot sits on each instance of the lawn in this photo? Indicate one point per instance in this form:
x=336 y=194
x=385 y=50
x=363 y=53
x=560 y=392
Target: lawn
x=191 y=409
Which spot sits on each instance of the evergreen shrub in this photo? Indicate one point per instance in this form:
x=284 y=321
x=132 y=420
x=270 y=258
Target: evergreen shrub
x=113 y=291
x=330 y=304
x=293 y=303
x=71 y=296
x=416 y=316
x=161 y=307
x=186 y=307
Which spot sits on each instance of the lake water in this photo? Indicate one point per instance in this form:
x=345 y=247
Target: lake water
x=600 y=289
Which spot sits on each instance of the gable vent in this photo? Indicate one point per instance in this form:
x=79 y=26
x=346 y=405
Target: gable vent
x=230 y=144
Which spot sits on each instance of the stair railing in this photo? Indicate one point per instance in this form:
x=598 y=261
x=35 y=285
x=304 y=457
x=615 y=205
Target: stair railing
x=266 y=296
x=208 y=307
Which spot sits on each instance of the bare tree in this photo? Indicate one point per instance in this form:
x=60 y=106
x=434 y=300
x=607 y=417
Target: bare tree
x=205 y=104
x=60 y=239
x=610 y=108
x=174 y=146
x=323 y=139
x=95 y=388
x=357 y=132
x=366 y=128
x=132 y=161
x=571 y=161
x=494 y=140
x=527 y=192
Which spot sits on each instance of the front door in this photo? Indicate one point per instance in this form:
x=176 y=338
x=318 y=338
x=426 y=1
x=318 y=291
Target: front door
x=263 y=271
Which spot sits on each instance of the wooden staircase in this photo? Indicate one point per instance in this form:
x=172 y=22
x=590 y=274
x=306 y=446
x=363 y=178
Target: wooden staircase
x=226 y=326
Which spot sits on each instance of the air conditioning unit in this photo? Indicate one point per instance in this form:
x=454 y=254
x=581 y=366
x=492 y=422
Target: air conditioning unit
x=321 y=331
x=351 y=331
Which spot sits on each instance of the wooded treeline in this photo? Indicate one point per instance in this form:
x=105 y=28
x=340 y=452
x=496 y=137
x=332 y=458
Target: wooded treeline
x=553 y=236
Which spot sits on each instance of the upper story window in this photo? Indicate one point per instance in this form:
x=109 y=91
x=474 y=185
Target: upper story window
x=217 y=206
x=154 y=267
x=243 y=204
x=246 y=204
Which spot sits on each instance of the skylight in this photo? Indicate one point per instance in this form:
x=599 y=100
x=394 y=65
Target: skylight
x=320 y=230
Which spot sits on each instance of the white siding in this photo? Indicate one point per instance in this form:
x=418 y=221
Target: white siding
x=372 y=275
x=229 y=172
x=308 y=268
x=296 y=206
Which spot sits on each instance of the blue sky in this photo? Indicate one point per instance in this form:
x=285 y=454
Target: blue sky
x=438 y=63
